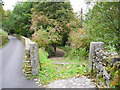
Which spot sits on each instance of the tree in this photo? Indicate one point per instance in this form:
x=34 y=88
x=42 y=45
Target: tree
x=18 y=20
x=53 y=14
x=2 y=13
x=9 y=22
x=102 y=24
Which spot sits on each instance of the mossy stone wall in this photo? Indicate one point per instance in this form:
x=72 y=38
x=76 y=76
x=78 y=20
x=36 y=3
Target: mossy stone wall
x=102 y=68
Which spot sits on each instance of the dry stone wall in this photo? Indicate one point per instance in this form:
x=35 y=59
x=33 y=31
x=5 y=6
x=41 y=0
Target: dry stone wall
x=102 y=65
x=31 y=62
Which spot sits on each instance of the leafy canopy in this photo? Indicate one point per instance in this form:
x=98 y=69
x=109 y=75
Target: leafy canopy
x=102 y=24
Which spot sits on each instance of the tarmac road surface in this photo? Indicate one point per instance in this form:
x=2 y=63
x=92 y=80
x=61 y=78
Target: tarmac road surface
x=12 y=56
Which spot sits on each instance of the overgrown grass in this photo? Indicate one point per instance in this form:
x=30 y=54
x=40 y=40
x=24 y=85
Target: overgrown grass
x=79 y=54
x=50 y=72
x=66 y=48
x=3 y=38
x=75 y=54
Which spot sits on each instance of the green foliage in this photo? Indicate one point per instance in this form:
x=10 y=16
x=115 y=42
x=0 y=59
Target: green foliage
x=78 y=39
x=2 y=15
x=56 y=15
x=113 y=71
x=102 y=24
x=115 y=74
x=79 y=43
x=60 y=11
x=9 y=22
x=4 y=38
x=78 y=54
x=43 y=56
x=18 y=20
x=47 y=39
x=50 y=50
x=41 y=37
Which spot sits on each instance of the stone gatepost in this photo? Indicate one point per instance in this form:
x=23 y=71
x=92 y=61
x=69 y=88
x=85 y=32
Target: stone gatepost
x=34 y=56
x=93 y=47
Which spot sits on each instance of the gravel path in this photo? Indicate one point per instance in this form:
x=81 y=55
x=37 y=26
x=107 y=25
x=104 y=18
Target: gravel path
x=81 y=82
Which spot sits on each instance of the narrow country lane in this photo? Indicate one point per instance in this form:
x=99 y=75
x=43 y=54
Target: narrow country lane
x=12 y=58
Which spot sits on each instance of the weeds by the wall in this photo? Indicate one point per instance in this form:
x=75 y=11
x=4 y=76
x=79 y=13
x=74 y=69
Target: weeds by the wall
x=4 y=38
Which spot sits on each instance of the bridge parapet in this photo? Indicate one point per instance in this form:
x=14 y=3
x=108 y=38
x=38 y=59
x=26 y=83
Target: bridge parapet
x=31 y=59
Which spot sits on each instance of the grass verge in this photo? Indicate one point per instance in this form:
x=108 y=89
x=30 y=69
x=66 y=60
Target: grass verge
x=50 y=72
x=3 y=38
x=1 y=46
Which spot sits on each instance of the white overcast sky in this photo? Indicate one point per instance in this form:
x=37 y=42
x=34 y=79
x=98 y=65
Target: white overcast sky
x=76 y=4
